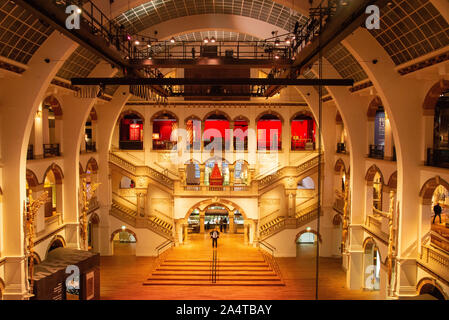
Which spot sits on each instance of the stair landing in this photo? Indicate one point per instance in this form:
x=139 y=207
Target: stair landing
x=238 y=264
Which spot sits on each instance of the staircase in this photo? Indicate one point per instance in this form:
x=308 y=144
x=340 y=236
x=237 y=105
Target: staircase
x=196 y=272
x=153 y=223
x=281 y=223
x=237 y=265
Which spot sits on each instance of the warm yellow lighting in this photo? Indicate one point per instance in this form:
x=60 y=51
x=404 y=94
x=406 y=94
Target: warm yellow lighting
x=156 y=136
x=123 y=228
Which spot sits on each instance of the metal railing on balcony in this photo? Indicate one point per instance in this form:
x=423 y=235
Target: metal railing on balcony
x=51 y=150
x=438 y=158
x=376 y=151
x=131 y=145
x=302 y=144
x=91 y=147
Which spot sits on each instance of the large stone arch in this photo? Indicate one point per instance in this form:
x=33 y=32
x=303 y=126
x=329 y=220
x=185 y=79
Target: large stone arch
x=32 y=179
x=58 y=241
x=230 y=206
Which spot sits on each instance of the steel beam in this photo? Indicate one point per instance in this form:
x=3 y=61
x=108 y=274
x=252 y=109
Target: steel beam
x=212 y=62
x=218 y=81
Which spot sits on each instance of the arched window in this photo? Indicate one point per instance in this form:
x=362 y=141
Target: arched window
x=216 y=132
x=439 y=156
x=303 y=133
x=216 y=172
x=269 y=133
x=240 y=134
x=53 y=186
x=371 y=265
x=131 y=132
x=193 y=128
x=307 y=238
x=90 y=132
x=241 y=173
x=377 y=191
x=377 y=149
x=163 y=127
x=440 y=197
x=193 y=173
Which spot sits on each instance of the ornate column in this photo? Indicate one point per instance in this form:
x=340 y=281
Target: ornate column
x=202 y=216
x=231 y=222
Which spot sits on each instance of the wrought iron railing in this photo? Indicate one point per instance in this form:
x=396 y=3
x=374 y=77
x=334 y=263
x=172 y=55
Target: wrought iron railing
x=376 y=151
x=51 y=150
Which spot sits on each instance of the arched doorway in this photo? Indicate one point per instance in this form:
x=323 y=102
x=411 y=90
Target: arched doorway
x=164 y=125
x=269 y=132
x=131 y=132
x=303 y=130
x=124 y=242
x=306 y=242
x=371 y=265
x=53 y=185
x=377 y=191
x=430 y=288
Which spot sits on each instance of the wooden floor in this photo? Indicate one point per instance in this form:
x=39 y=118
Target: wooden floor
x=122 y=275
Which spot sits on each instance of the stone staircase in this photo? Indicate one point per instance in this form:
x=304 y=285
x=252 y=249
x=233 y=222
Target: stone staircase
x=281 y=223
x=153 y=223
x=237 y=264
x=197 y=272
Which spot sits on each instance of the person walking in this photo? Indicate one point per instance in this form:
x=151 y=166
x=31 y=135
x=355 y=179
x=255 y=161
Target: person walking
x=437 y=210
x=214 y=236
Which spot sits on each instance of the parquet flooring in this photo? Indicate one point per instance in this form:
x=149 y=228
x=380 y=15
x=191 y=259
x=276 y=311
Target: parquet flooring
x=122 y=276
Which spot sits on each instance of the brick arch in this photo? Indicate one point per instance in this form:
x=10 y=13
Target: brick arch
x=159 y=113
x=271 y=112
x=373 y=106
x=123 y=230
x=242 y=118
x=393 y=181
x=217 y=112
x=230 y=205
x=432 y=282
x=434 y=93
x=52 y=102
x=128 y=112
x=372 y=172
x=429 y=187
x=57 y=171
x=32 y=179
x=92 y=164
x=308 y=231
x=339 y=166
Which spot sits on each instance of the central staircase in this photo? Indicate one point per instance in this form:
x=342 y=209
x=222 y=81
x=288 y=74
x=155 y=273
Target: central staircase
x=237 y=265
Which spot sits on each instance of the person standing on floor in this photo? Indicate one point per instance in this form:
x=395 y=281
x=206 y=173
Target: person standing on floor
x=214 y=236
x=437 y=210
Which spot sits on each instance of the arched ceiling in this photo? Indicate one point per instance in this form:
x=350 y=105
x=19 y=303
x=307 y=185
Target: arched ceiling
x=218 y=35
x=154 y=12
x=410 y=29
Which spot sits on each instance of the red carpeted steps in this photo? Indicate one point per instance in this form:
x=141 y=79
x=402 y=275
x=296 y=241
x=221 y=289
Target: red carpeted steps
x=230 y=273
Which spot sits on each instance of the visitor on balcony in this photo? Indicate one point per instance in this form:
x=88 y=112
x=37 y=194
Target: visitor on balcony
x=131 y=132
x=303 y=133
x=164 y=127
x=269 y=132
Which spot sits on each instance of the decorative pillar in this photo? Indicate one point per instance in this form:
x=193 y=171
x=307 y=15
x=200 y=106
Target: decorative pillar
x=45 y=126
x=185 y=230
x=291 y=200
x=245 y=233
x=202 y=216
x=58 y=133
x=231 y=222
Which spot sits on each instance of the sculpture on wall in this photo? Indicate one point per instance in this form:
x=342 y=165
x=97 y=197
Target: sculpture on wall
x=30 y=212
x=85 y=200
x=345 y=228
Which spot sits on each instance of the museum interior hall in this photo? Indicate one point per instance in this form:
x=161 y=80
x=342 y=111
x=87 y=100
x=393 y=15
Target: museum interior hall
x=224 y=149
